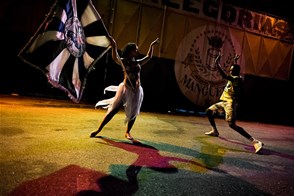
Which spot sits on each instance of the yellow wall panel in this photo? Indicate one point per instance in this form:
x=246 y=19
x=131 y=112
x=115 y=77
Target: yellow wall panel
x=141 y=22
x=150 y=28
x=250 y=52
x=125 y=24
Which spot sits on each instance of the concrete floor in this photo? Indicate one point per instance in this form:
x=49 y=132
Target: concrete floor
x=46 y=150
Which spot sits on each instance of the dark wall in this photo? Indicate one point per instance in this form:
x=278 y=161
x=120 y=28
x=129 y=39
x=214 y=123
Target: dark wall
x=267 y=100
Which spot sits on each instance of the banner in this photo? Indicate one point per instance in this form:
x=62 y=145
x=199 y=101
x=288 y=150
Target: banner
x=67 y=45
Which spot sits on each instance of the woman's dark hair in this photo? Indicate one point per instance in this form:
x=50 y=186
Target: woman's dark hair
x=127 y=49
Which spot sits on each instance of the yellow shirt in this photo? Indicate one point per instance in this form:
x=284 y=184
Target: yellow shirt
x=232 y=90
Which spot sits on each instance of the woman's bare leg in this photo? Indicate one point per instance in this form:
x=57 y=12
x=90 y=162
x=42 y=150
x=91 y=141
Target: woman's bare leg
x=106 y=119
x=129 y=127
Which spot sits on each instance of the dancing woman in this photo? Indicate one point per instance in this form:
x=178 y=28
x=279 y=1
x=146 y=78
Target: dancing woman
x=129 y=93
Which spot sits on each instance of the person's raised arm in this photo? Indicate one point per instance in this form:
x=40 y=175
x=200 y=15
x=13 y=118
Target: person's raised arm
x=224 y=75
x=236 y=57
x=149 y=53
x=114 y=53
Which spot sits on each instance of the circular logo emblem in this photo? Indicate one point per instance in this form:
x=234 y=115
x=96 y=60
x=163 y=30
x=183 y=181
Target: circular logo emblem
x=195 y=69
x=75 y=37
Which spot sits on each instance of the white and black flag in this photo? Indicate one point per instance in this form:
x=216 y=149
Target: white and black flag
x=67 y=44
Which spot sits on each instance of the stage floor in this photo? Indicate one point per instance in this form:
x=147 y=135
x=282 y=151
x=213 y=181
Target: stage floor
x=46 y=150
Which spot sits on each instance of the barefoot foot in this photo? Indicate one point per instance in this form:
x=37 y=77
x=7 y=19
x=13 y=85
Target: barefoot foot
x=93 y=134
x=128 y=136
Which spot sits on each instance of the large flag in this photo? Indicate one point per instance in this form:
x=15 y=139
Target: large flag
x=67 y=45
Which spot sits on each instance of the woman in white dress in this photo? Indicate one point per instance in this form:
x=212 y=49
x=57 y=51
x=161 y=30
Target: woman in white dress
x=129 y=93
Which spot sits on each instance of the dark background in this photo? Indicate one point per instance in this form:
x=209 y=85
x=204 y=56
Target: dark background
x=265 y=99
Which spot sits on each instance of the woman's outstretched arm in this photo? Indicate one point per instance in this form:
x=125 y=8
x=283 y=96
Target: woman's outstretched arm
x=149 y=53
x=114 y=53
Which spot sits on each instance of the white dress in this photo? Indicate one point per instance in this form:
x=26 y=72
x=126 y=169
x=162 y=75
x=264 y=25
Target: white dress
x=131 y=100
